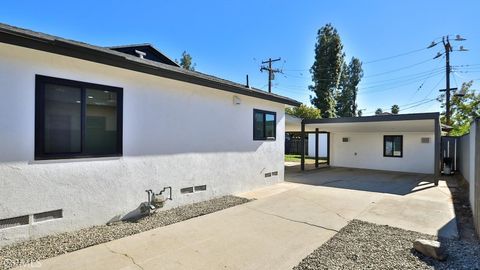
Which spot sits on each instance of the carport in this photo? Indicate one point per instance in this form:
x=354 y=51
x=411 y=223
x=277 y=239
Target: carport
x=404 y=143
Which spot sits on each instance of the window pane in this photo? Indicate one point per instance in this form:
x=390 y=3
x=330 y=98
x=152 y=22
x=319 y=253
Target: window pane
x=101 y=122
x=258 y=125
x=397 y=146
x=62 y=119
x=270 y=125
x=388 y=146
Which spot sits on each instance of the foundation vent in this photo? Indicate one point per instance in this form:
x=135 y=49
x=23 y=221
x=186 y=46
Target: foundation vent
x=186 y=190
x=275 y=173
x=200 y=188
x=268 y=175
x=44 y=216
x=425 y=140
x=345 y=139
x=13 y=222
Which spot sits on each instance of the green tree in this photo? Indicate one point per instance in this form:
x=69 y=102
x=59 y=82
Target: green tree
x=326 y=70
x=347 y=97
x=379 y=111
x=186 y=61
x=395 y=109
x=464 y=109
x=304 y=112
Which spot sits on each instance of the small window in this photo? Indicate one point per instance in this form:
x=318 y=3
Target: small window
x=393 y=146
x=77 y=119
x=264 y=125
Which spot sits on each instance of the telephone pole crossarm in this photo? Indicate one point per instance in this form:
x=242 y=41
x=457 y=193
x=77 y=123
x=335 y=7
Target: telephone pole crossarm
x=271 y=71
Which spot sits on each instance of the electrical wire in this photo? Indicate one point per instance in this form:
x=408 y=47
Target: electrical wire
x=394 y=56
x=398 y=69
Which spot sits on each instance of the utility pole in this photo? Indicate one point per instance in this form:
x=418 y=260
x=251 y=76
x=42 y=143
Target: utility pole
x=271 y=71
x=448 y=48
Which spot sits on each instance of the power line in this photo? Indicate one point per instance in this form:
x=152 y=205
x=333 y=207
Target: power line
x=391 y=88
x=394 y=56
x=421 y=85
x=402 y=68
x=420 y=104
x=415 y=78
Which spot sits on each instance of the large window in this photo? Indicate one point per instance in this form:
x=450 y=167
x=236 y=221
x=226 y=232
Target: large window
x=264 y=125
x=393 y=146
x=76 y=119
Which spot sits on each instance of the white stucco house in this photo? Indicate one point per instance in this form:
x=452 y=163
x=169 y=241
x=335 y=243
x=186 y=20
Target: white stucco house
x=86 y=130
x=403 y=143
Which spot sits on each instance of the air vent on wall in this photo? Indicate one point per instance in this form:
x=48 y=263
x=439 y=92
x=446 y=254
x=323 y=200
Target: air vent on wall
x=425 y=140
x=275 y=173
x=268 y=174
x=48 y=215
x=344 y=139
x=13 y=222
x=200 y=188
x=186 y=190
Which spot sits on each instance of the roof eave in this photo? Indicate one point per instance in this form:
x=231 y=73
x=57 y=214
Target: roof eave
x=91 y=53
x=376 y=118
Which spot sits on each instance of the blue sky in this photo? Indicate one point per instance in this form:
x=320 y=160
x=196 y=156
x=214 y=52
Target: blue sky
x=229 y=39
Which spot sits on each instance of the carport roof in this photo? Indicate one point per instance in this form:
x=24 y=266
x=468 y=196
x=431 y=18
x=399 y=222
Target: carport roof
x=375 y=118
x=417 y=122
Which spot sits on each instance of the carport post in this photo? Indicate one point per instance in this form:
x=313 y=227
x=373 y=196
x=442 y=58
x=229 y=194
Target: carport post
x=328 y=148
x=316 y=148
x=302 y=160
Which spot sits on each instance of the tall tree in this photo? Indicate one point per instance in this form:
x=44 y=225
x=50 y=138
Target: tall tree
x=304 y=112
x=186 y=61
x=464 y=109
x=326 y=70
x=347 y=97
x=395 y=109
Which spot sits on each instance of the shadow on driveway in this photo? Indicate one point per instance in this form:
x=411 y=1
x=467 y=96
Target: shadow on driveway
x=397 y=183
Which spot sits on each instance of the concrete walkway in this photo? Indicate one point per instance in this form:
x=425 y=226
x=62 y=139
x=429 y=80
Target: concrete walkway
x=285 y=224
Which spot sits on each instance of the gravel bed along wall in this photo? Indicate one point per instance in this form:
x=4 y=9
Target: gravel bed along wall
x=363 y=245
x=54 y=245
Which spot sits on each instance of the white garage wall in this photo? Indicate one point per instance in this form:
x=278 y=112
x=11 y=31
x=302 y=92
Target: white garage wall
x=174 y=134
x=322 y=145
x=365 y=150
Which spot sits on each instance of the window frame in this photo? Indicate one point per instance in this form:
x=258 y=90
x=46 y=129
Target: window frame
x=265 y=138
x=40 y=82
x=385 y=146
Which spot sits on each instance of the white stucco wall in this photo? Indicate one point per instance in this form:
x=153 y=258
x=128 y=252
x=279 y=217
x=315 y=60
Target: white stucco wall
x=365 y=150
x=174 y=134
x=468 y=161
x=322 y=145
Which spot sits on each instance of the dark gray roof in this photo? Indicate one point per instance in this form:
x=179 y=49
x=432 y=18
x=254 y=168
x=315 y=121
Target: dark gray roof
x=44 y=42
x=375 y=118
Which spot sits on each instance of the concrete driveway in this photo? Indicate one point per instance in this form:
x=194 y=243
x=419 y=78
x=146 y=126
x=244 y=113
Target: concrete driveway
x=285 y=224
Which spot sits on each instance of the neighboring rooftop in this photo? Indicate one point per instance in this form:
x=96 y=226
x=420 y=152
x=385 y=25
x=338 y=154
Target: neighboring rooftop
x=110 y=56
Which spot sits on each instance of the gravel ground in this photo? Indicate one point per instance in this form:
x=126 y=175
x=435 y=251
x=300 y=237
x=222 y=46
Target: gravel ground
x=363 y=245
x=54 y=245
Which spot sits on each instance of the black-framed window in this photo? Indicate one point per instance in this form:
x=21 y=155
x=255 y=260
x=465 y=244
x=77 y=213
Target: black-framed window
x=393 y=146
x=77 y=119
x=264 y=125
